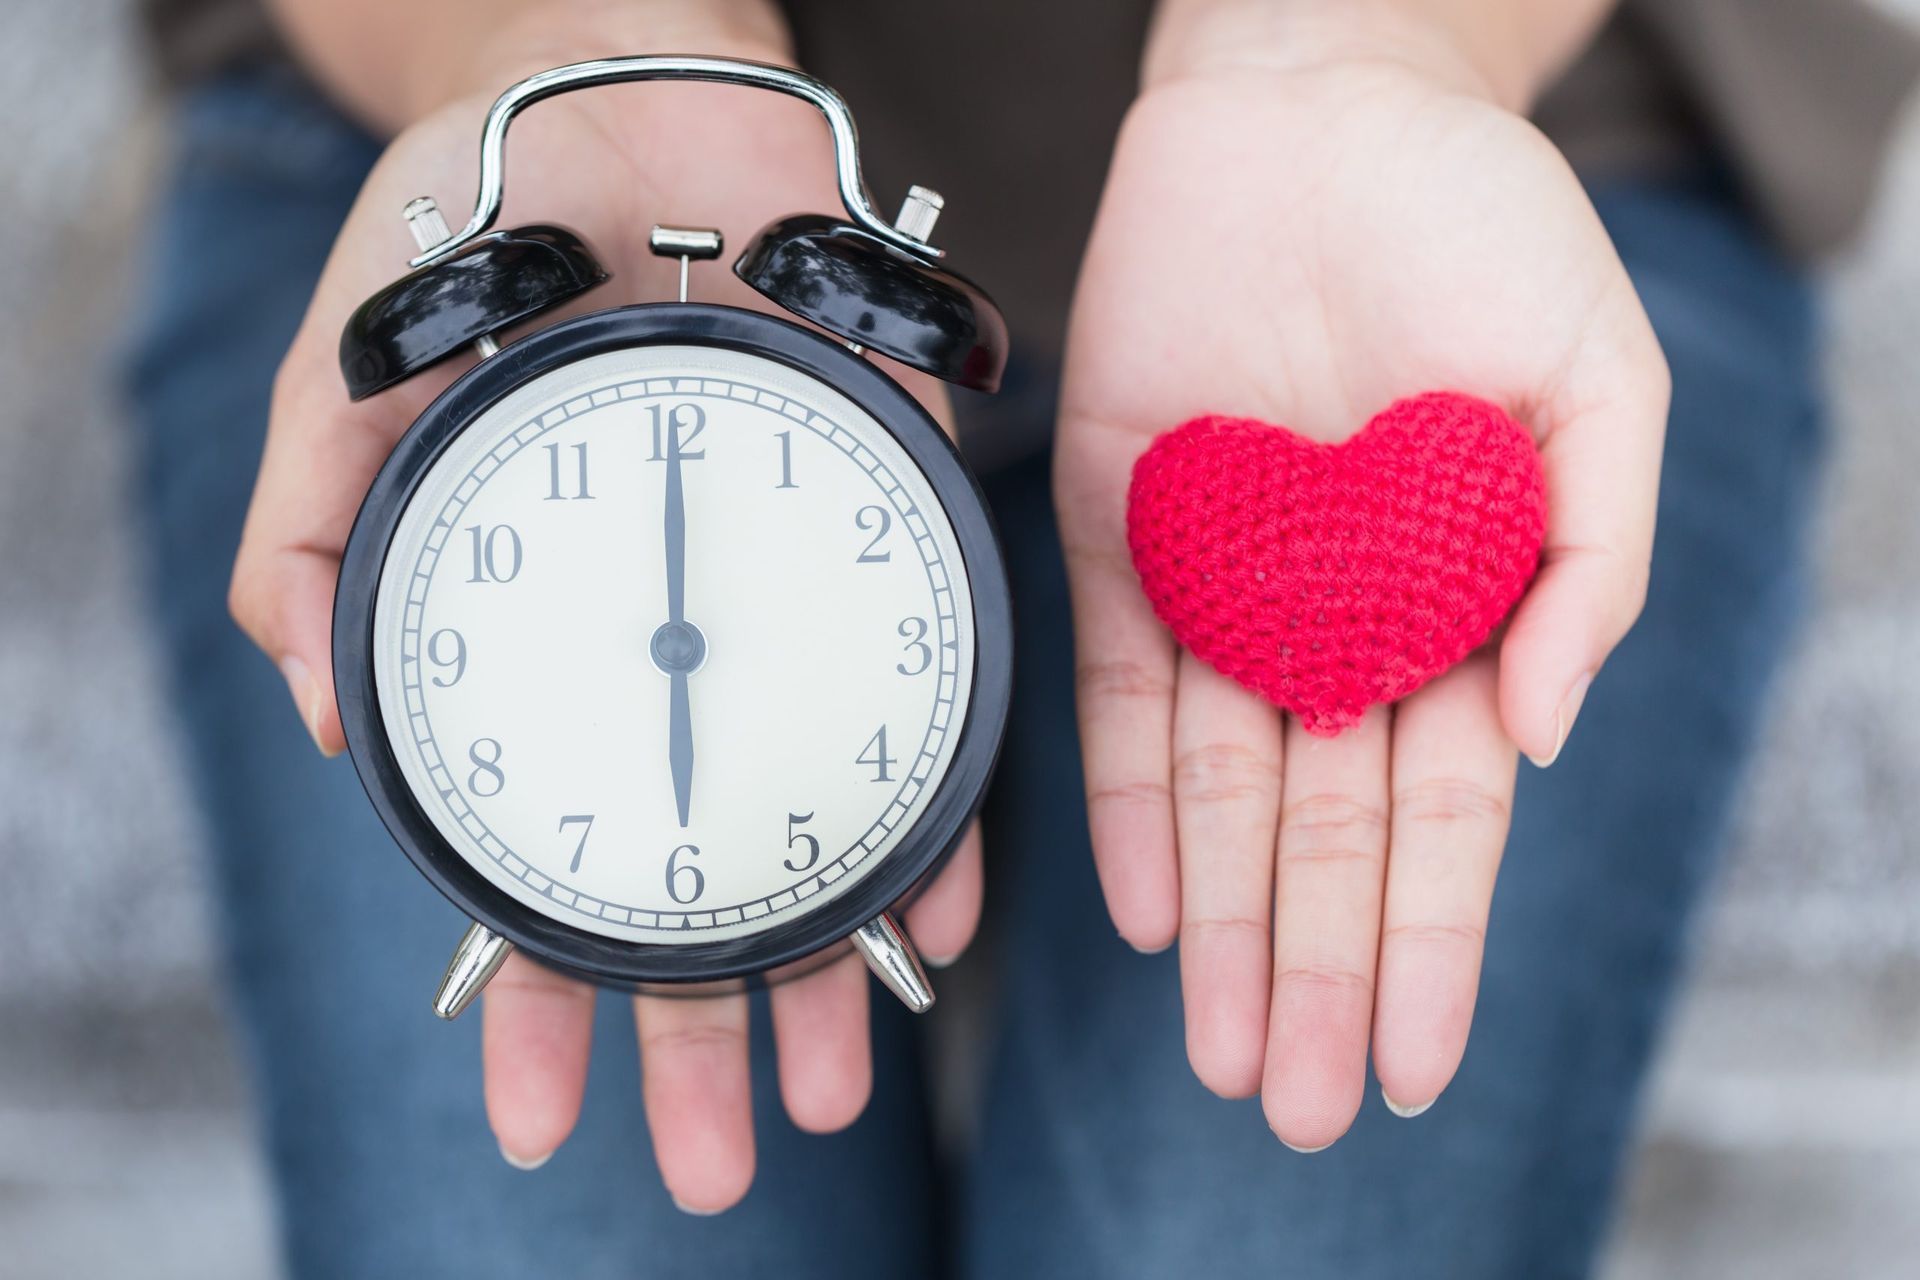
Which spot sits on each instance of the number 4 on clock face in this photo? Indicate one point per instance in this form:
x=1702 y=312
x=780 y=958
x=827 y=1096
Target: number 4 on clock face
x=876 y=755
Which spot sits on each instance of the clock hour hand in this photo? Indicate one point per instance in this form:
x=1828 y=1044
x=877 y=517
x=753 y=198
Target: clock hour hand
x=680 y=746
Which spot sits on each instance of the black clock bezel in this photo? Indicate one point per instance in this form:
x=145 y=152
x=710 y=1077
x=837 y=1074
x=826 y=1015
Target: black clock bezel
x=912 y=863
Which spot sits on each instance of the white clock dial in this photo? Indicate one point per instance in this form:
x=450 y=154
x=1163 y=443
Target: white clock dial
x=526 y=654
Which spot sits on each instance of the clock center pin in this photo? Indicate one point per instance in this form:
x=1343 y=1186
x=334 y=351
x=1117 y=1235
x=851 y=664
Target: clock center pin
x=678 y=648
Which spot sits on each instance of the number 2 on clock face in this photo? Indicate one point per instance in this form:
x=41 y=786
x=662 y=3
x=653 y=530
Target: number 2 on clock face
x=551 y=713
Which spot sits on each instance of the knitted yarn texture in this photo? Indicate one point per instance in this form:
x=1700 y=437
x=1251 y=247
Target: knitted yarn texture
x=1329 y=577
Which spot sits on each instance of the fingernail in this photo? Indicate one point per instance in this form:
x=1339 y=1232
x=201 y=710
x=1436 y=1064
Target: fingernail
x=937 y=962
x=1405 y=1112
x=1145 y=951
x=306 y=696
x=1305 y=1151
x=519 y=1162
x=689 y=1210
x=1563 y=718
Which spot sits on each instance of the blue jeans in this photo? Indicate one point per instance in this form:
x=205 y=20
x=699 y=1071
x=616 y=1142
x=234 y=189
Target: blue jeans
x=1096 y=1153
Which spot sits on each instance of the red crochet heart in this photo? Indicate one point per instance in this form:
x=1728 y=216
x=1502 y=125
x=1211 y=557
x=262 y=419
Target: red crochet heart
x=1327 y=578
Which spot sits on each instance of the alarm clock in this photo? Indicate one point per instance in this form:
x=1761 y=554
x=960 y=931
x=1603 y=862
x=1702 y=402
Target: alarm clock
x=673 y=642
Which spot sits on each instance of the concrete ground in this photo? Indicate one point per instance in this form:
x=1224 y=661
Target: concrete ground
x=1782 y=1135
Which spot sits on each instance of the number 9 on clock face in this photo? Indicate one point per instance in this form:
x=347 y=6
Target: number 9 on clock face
x=672 y=650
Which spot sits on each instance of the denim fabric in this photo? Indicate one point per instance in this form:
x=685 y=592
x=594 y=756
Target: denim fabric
x=1098 y=1154
x=1103 y=1157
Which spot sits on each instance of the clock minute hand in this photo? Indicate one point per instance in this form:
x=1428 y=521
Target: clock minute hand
x=677 y=634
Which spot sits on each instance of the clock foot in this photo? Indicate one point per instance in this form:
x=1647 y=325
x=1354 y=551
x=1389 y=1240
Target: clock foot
x=890 y=954
x=478 y=957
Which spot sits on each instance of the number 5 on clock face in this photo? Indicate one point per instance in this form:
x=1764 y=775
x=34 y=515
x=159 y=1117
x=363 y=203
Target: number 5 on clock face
x=664 y=579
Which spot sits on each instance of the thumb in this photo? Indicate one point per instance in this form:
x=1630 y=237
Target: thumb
x=321 y=454
x=283 y=599
x=1602 y=464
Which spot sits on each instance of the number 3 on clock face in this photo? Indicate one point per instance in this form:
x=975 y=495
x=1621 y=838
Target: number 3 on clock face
x=675 y=645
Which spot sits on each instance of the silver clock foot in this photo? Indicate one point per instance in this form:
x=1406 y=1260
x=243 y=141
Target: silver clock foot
x=890 y=954
x=478 y=957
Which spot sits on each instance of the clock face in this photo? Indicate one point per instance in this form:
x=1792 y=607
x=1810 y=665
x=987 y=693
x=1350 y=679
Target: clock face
x=673 y=644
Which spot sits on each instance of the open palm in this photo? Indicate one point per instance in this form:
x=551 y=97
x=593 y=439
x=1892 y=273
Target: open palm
x=1305 y=247
x=610 y=165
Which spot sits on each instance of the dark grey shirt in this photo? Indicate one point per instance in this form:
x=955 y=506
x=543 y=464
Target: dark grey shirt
x=1010 y=107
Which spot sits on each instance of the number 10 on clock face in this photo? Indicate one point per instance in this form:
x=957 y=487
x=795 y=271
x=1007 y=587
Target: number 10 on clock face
x=673 y=644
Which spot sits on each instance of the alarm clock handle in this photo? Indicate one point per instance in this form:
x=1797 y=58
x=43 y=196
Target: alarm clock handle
x=623 y=70
x=890 y=954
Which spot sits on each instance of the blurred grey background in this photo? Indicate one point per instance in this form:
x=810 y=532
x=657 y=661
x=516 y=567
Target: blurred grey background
x=1782 y=1132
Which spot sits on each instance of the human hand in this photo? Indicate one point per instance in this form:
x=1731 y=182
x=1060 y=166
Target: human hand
x=610 y=164
x=1302 y=232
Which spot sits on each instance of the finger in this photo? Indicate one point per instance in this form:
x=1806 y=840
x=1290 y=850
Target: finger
x=1603 y=478
x=820 y=1037
x=697 y=1087
x=941 y=923
x=1123 y=675
x=1453 y=776
x=536 y=1033
x=1226 y=796
x=1332 y=860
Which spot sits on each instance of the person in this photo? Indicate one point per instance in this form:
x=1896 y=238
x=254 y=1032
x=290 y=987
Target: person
x=1310 y=209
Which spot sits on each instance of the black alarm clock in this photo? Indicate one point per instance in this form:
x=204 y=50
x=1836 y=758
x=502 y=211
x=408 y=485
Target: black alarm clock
x=673 y=642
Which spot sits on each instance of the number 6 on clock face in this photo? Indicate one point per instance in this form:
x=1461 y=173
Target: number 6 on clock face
x=676 y=648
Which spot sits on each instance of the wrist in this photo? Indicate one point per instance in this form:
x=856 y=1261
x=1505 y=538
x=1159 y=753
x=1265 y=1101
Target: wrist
x=1500 y=50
